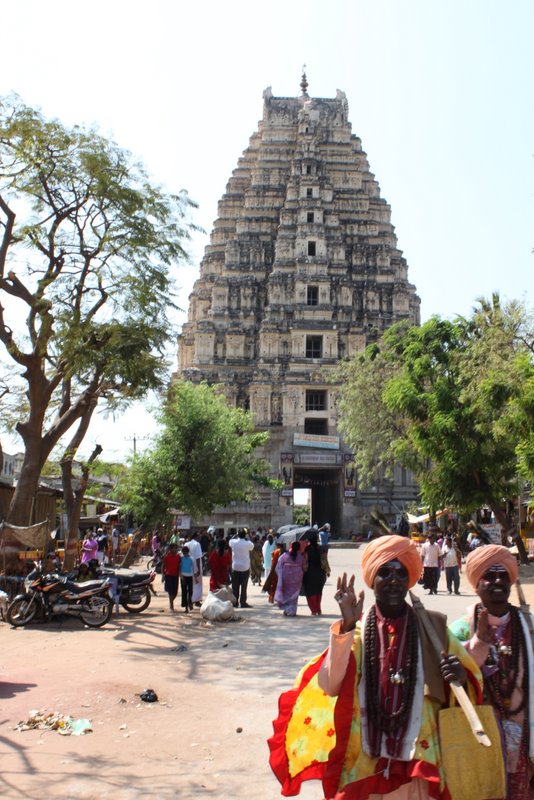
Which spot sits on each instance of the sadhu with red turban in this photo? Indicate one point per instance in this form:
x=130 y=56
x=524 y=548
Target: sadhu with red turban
x=497 y=636
x=379 y=669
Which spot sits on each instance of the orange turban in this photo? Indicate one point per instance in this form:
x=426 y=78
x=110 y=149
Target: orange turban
x=487 y=556
x=390 y=548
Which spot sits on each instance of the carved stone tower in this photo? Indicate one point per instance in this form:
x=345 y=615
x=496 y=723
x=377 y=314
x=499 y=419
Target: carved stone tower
x=302 y=270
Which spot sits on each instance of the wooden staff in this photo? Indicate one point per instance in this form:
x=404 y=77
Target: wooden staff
x=459 y=692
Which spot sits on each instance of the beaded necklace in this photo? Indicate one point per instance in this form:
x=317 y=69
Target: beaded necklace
x=501 y=669
x=393 y=720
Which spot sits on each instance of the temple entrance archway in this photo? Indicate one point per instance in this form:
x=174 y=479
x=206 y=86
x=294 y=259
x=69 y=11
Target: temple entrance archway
x=326 y=490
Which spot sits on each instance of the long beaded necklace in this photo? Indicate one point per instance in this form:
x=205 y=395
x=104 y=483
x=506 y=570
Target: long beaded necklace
x=501 y=669
x=383 y=720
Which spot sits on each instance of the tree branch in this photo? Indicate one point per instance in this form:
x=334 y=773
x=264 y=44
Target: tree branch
x=7 y=238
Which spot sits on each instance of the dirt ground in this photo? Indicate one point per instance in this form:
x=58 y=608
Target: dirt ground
x=217 y=685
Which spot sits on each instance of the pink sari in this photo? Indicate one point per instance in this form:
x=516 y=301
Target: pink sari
x=290 y=572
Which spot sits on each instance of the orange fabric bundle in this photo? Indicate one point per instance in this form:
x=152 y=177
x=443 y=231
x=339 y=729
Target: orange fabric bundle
x=391 y=548
x=487 y=556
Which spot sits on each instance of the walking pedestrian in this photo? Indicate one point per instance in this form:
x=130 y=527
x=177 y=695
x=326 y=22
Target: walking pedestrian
x=89 y=548
x=269 y=546
x=290 y=570
x=430 y=553
x=315 y=576
x=171 y=572
x=451 y=562
x=240 y=547
x=256 y=561
x=195 y=551
x=186 y=579
x=103 y=546
x=220 y=559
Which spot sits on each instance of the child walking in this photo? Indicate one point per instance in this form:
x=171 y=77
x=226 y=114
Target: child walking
x=171 y=571
x=186 y=579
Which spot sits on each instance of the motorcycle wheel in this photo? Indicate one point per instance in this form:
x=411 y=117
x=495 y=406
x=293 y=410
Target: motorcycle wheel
x=151 y=563
x=136 y=608
x=96 y=611
x=21 y=611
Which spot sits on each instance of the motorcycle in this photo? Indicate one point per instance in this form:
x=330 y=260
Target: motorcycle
x=54 y=595
x=133 y=590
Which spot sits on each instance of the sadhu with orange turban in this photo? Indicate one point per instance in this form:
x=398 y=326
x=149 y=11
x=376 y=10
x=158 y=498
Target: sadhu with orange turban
x=378 y=669
x=497 y=636
x=487 y=556
x=390 y=548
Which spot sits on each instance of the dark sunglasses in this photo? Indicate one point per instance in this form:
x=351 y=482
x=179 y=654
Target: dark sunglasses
x=388 y=572
x=494 y=574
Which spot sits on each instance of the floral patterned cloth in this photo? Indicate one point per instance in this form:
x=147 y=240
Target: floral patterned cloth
x=319 y=737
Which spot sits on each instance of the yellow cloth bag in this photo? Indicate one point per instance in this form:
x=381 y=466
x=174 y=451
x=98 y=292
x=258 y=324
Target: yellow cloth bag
x=472 y=771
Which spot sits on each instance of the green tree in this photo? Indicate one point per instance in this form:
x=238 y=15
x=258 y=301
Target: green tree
x=88 y=246
x=301 y=515
x=450 y=405
x=366 y=423
x=500 y=376
x=204 y=456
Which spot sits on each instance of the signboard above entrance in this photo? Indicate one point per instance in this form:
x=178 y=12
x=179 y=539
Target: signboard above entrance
x=314 y=440
x=319 y=458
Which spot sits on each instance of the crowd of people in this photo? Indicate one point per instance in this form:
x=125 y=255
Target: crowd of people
x=237 y=560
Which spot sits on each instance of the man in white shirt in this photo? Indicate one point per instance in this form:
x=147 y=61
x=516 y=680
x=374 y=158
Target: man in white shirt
x=115 y=539
x=451 y=560
x=430 y=553
x=240 y=547
x=195 y=551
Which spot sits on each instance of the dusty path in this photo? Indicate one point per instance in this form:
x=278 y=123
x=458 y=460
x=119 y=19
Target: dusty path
x=217 y=685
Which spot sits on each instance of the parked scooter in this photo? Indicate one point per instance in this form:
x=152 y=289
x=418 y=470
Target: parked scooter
x=54 y=595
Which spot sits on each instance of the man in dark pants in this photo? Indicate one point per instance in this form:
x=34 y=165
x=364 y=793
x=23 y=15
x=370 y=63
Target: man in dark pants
x=240 y=547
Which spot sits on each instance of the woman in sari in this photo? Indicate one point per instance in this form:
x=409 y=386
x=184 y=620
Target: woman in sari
x=290 y=571
x=256 y=562
x=314 y=577
x=271 y=580
x=219 y=561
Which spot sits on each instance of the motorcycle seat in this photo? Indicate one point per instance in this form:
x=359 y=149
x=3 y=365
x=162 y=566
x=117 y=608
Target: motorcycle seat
x=137 y=577
x=80 y=588
x=128 y=577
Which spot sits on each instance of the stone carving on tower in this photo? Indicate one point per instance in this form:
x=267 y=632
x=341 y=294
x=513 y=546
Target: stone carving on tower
x=302 y=269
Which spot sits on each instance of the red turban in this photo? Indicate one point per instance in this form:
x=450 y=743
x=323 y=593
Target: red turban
x=390 y=548
x=487 y=556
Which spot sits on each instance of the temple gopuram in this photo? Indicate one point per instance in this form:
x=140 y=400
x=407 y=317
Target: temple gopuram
x=302 y=270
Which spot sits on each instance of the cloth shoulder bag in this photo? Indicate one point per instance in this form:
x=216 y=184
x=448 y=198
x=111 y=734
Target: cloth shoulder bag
x=472 y=771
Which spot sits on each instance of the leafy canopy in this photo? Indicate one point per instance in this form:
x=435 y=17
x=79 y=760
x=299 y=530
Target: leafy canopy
x=88 y=245
x=451 y=400
x=204 y=456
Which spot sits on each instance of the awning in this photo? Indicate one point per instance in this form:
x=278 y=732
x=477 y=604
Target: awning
x=109 y=514
x=425 y=517
x=35 y=536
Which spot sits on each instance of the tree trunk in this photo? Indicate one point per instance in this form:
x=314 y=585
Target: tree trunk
x=131 y=553
x=23 y=500
x=507 y=530
x=73 y=503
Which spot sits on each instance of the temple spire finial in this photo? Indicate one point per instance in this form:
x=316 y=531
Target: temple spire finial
x=304 y=82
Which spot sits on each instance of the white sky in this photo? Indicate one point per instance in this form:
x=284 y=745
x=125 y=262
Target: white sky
x=440 y=92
